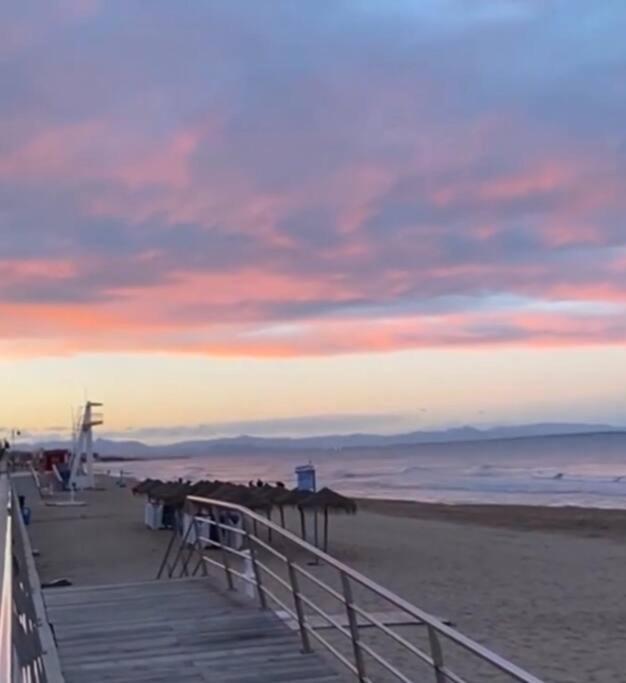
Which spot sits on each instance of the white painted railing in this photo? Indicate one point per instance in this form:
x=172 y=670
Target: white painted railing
x=187 y=555
x=6 y=576
x=27 y=650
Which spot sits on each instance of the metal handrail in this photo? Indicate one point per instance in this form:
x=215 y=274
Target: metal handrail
x=348 y=577
x=6 y=580
x=27 y=650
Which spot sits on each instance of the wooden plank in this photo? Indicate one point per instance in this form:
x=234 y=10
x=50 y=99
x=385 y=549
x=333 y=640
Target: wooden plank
x=142 y=586
x=55 y=600
x=161 y=632
x=206 y=628
x=238 y=654
x=146 y=648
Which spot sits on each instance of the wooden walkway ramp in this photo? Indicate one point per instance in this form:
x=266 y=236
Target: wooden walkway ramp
x=174 y=632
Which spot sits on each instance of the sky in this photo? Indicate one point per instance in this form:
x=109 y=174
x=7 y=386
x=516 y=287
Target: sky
x=312 y=216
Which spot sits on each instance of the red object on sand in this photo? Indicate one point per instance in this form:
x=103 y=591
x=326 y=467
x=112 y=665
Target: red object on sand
x=56 y=456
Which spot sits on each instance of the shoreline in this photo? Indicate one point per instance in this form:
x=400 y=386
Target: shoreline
x=576 y=520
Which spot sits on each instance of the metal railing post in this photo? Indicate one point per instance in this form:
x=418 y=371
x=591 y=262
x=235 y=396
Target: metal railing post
x=437 y=655
x=195 y=546
x=6 y=579
x=354 y=627
x=220 y=539
x=199 y=548
x=297 y=601
x=255 y=567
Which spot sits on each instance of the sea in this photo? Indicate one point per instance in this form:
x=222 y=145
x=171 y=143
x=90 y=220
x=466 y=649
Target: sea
x=585 y=471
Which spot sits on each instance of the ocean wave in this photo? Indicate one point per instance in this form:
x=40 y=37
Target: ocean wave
x=448 y=480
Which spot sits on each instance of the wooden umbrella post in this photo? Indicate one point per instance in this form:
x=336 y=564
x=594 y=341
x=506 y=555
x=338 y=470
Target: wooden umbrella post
x=302 y=524
x=325 y=500
x=325 y=528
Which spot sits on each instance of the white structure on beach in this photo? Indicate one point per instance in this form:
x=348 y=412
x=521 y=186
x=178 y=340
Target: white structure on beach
x=81 y=472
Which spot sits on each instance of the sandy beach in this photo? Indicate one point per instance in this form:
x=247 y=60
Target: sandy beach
x=544 y=587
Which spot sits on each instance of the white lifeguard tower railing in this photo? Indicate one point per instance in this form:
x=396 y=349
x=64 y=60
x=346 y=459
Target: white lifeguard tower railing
x=81 y=462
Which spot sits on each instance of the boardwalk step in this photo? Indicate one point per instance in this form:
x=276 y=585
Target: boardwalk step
x=182 y=631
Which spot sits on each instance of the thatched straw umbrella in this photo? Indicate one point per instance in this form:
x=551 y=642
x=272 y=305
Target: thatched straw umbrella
x=205 y=488
x=232 y=493
x=138 y=488
x=158 y=489
x=229 y=493
x=263 y=498
x=174 y=494
x=198 y=488
x=293 y=498
x=275 y=496
x=171 y=494
x=144 y=487
x=244 y=496
x=326 y=499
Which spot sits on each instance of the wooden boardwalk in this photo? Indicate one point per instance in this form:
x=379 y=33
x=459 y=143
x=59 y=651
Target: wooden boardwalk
x=180 y=631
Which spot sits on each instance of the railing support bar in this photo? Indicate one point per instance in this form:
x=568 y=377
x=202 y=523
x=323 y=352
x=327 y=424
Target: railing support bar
x=166 y=557
x=181 y=549
x=220 y=538
x=354 y=628
x=255 y=567
x=437 y=654
x=297 y=601
x=196 y=545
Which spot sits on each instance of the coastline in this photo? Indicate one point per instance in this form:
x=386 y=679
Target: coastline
x=577 y=520
x=589 y=522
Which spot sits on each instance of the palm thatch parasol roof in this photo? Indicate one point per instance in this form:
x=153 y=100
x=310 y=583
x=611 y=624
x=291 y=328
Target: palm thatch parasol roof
x=143 y=487
x=205 y=488
x=237 y=494
x=327 y=499
x=290 y=498
x=229 y=493
x=170 y=493
x=255 y=499
x=177 y=495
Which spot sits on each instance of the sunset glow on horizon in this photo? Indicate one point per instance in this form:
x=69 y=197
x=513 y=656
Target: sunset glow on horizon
x=409 y=214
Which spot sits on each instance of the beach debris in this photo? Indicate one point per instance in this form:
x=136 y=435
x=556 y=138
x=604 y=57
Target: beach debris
x=57 y=583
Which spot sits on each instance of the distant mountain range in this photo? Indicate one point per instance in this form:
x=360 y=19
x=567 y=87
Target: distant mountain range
x=138 y=449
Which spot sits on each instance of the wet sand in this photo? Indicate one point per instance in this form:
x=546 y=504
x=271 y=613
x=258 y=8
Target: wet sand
x=544 y=587
x=588 y=522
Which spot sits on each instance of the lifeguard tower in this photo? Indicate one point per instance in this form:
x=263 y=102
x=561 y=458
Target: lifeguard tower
x=81 y=462
x=305 y=478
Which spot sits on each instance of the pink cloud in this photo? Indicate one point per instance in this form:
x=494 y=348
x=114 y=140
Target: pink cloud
x=311 y=229
x=15 y=270
x=52 y=152
x=120 y=327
